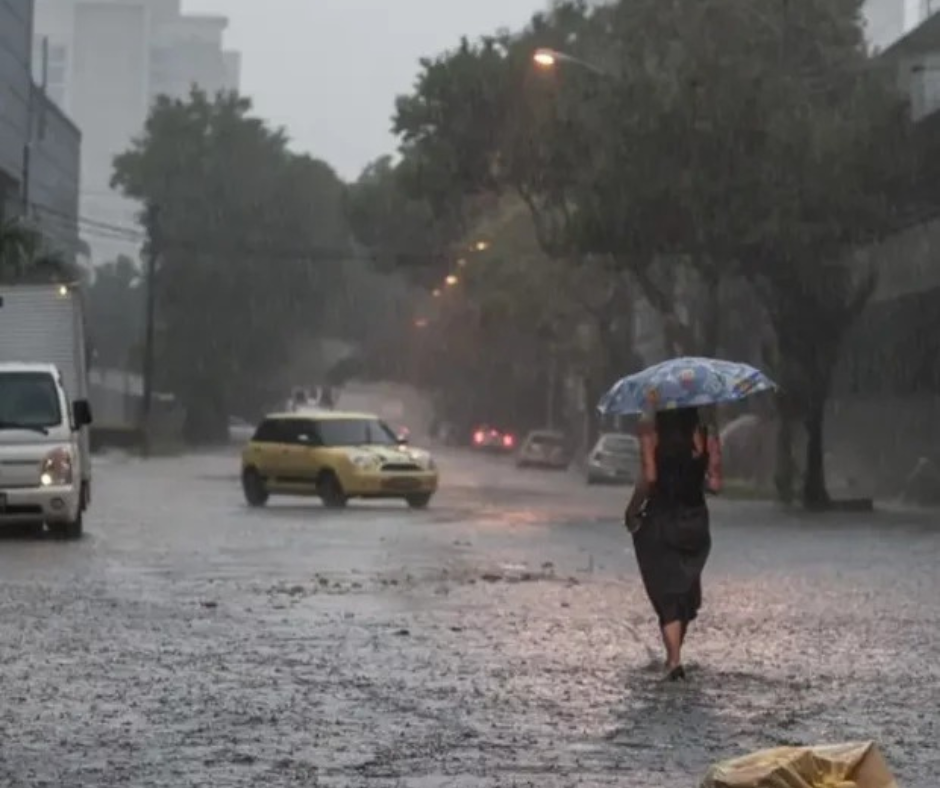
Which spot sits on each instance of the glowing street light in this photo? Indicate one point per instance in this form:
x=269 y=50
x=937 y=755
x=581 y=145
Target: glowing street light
x=481 y=246
x=545 y=58
x=549 y=58
x=451 y=280
x=436 y=292
x=461 y=262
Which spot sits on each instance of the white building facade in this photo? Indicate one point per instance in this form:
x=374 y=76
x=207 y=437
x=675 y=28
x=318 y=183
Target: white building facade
x=107 y=61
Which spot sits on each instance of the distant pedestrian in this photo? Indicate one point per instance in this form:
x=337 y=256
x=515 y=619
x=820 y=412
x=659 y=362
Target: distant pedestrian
x=680 y=458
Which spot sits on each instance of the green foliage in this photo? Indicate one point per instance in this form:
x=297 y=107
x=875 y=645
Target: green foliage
x=249 y=239
x=450 y=125
x=400 y=233
x=115 y=312
x=24 y=258
x=725 y=139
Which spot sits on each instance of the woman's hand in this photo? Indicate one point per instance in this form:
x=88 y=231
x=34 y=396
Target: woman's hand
x=632 y=522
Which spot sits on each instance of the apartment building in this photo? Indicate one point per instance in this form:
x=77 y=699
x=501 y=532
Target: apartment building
x=39 y=145
x=106 y=61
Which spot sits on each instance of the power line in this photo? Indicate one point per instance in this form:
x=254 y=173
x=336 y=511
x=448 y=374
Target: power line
x=107 y=231
x=84 y=222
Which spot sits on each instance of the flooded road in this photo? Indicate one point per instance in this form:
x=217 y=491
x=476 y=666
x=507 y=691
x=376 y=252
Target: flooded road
x=499 y=639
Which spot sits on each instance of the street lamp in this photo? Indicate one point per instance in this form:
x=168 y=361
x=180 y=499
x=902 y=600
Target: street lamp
x=549 y=58
x=436 y=293
x=451 y=280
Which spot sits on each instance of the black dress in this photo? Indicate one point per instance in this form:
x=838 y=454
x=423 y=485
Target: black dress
x=673 y=542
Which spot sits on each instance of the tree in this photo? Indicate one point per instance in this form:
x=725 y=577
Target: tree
x=770 y=156
x=398 y=231
x=708 y=143
x=24 y=258
x=250 y=244
x=115 y=312
x=473 y=136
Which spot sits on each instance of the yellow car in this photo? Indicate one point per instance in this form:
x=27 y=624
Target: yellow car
x=336 y=456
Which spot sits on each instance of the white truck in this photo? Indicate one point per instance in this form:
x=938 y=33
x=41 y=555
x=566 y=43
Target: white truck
x=45 y=463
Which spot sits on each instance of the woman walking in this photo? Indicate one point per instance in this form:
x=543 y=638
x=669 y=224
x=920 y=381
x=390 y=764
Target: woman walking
x=680 y=459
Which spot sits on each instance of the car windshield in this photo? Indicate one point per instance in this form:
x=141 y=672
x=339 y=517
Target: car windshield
x=29 y=400
x=619 y=444
x=355 y=432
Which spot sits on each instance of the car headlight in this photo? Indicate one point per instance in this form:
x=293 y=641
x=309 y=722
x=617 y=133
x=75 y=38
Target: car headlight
x=56 y=469
x=423 y=459
x=365 y=461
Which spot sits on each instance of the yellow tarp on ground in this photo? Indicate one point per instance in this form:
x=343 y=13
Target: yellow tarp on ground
x=850 y=765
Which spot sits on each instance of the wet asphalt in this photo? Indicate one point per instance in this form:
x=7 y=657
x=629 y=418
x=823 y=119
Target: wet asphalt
x=501 y=638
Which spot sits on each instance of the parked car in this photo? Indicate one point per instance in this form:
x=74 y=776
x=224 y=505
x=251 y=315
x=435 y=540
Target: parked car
x=486 y=438
x=334 y=456
x=544 y=449
x=615 y=459
x=239 y=430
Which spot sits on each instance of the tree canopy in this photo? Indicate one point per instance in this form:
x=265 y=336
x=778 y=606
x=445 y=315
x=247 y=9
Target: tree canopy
x=249 y=238
x=24 y=256
x=682 y=150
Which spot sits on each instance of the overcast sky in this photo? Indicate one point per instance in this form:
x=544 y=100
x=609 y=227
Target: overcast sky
x=329 y=70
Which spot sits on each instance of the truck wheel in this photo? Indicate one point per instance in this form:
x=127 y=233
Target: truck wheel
x=70 y=531
x=331 y=491
x=419 y=500
x=256 y=495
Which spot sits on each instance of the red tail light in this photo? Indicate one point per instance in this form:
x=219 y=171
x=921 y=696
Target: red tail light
x=478 y=437
x=508 y=440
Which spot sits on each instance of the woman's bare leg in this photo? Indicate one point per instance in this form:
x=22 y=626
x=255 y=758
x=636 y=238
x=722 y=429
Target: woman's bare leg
x=672 y=638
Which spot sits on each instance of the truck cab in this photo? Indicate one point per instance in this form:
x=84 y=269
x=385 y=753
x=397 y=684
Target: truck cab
x=42 y=475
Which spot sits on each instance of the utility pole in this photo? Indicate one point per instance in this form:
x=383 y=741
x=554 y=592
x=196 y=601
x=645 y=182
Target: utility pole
x=152 y=253
x=552 y=386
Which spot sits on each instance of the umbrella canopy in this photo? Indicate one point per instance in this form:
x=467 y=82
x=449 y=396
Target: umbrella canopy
x=687 y=382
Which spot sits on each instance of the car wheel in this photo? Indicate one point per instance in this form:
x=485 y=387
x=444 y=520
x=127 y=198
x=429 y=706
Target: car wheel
x=70 y=531
x=253 y=486
x=331 y=491
x=419 y=500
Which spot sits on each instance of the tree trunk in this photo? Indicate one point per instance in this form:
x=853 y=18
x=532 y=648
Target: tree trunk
x=815 y=495
x=206 y=420
x=591 y=424
x=711 y=319
x=785 y=468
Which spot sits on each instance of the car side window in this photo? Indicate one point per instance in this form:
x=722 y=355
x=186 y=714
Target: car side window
x=268 y=432
x=304 y=433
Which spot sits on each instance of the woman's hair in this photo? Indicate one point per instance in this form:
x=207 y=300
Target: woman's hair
x=675 y=429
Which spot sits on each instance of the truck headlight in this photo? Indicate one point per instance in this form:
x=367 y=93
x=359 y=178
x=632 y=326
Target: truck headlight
x=56 y=469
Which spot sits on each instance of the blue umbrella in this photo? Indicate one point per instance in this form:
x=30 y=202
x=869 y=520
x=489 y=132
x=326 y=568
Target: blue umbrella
x=687 y=382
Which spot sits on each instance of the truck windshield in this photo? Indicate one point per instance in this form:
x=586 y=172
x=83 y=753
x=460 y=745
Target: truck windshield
x=28 y=400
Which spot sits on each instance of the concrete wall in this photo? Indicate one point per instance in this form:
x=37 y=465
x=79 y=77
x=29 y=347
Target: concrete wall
x=15 y=86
